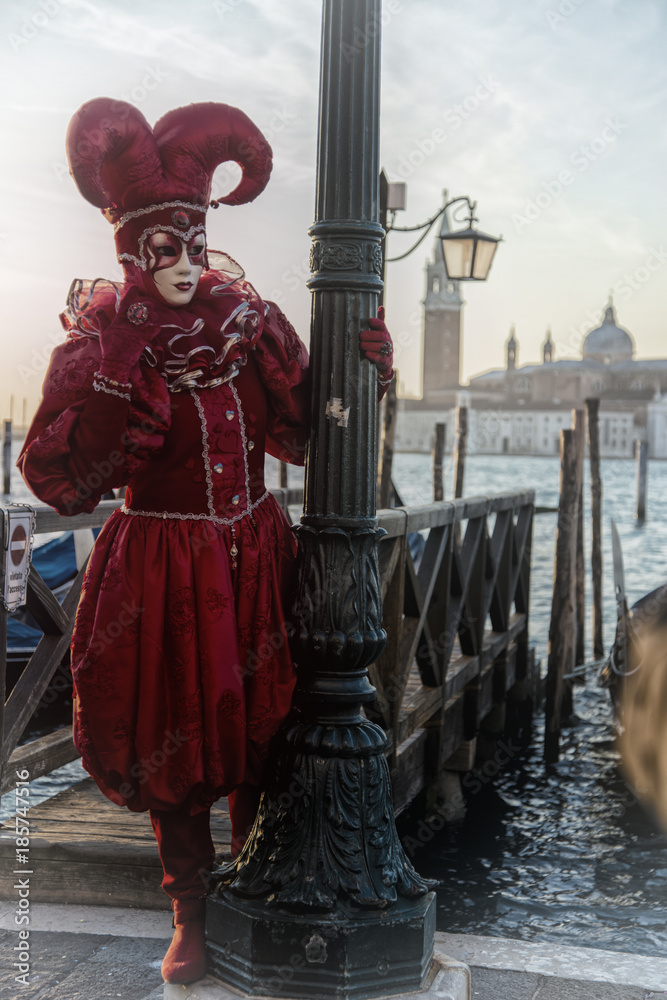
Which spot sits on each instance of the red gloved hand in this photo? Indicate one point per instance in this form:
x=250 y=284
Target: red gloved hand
x=138 y=321
x=376 y=344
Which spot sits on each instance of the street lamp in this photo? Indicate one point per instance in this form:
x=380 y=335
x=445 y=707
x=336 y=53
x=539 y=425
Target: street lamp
x=467 y=253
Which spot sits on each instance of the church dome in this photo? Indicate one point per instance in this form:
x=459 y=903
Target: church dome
x=609 y=342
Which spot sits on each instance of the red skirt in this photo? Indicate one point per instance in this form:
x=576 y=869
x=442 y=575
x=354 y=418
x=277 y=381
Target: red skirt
x=181 y=663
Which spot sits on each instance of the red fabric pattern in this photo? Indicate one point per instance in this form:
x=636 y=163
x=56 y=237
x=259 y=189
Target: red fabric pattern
x=181 y=684
x=186 y=851
x=282 y=361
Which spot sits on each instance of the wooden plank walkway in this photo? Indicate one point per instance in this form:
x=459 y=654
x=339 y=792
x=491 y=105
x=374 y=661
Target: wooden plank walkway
x=86 y=850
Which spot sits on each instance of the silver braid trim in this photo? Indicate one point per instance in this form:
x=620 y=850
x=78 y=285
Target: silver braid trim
x=205 y=453
x=101 y=387
x=138 y=212
x=165 y=515
x=244 y=439
x=207 y=463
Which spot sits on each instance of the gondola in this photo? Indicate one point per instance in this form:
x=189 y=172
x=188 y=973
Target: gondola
x=633 y=625
x=636 y=675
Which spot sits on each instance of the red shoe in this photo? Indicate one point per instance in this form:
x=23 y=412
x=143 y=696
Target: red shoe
x=185 y=960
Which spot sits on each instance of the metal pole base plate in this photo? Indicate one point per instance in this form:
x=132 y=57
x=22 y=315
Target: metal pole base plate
x=447 y=980
x=342 y=955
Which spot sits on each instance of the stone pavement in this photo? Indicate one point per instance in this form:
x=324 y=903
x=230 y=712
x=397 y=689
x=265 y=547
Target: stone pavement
x=602 y=970
x=95 y=953
x=496 y=984
x=75 y=966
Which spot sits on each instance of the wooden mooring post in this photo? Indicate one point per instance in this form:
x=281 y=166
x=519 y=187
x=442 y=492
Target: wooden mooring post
x=641 y=454
x=460 y=459
x=563 y=609
x=438 y=458
x=282 y=475
x=7 y=459
x=579 y=424
x=593 y=414
x=461 y=446
x=576 y=654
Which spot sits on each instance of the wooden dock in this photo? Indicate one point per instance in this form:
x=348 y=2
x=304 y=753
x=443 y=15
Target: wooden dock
x=457 y=675
x=84 y=849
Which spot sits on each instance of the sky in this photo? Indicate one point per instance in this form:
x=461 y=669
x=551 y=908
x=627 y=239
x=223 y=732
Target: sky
x=550 y=114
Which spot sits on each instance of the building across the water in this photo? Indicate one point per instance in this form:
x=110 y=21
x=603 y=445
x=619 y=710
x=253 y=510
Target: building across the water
x=520 y=410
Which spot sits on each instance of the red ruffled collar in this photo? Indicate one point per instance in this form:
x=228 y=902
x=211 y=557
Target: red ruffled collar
x=209 y=339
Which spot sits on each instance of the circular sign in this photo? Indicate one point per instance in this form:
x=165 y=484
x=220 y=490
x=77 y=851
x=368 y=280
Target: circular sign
x=18 y=544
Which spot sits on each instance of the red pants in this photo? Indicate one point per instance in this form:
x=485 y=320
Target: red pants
x=185 y=845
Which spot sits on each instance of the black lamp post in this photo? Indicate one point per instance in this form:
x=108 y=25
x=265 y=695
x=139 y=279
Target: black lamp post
x=323 y=902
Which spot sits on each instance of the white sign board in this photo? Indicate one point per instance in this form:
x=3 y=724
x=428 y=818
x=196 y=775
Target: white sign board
x=18 y=536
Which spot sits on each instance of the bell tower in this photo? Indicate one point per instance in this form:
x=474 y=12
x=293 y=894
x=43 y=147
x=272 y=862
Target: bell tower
x=511 y=349
x=442 y=333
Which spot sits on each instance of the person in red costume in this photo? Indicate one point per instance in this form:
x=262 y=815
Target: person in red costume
x=175 y=384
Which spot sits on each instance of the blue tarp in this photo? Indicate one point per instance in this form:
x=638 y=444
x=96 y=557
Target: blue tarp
x=55 y=561
x=21 y=636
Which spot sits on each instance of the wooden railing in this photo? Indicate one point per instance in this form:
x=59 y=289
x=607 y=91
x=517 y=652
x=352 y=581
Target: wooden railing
x=57 y=622
x=457 y=625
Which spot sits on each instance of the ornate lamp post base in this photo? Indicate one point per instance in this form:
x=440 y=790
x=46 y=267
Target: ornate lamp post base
x=323 y=902
x=338 y=955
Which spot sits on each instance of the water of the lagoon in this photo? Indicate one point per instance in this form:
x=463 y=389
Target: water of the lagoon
x=563 y=854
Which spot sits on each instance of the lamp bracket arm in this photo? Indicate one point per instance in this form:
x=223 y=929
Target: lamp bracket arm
x=421 y=239
x=472 y=205
x=423 y=225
